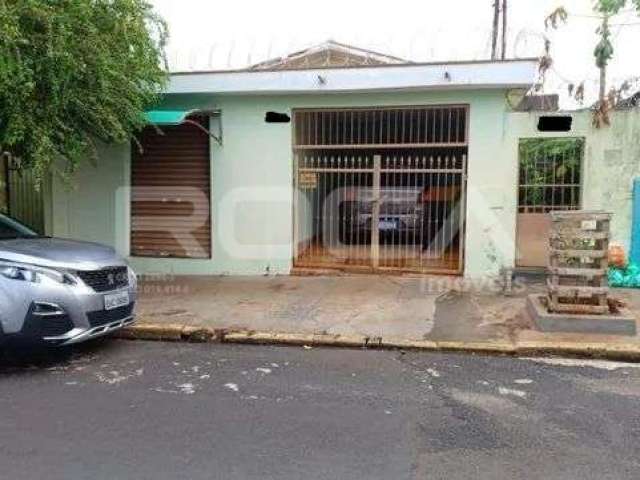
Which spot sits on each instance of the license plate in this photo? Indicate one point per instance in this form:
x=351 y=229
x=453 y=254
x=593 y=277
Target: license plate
x=387 y=225
x=115 y=300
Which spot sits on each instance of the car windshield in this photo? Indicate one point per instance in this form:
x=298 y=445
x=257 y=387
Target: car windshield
x=11 y=229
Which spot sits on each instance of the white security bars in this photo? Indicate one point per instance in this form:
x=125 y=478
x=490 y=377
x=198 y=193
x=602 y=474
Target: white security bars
x=381 y=189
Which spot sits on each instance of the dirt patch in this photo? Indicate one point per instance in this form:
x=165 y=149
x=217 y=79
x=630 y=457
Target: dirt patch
x=174 y=313
x=514 y=325
x=281 y=287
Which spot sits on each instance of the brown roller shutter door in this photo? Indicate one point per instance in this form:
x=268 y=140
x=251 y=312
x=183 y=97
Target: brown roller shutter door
x=170 y=198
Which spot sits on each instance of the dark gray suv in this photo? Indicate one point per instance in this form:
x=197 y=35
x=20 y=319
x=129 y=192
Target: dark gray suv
x=58 y=291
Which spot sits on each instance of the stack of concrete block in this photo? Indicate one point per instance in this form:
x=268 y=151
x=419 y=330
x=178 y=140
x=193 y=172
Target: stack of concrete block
x=578 y=263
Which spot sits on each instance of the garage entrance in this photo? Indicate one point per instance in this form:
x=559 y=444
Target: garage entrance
x=381 y=189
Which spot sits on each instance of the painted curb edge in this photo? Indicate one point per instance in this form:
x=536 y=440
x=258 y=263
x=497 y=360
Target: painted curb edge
x=196 y=334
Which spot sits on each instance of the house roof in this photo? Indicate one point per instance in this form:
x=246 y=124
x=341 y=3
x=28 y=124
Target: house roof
x=504 y=74
x=327 y=55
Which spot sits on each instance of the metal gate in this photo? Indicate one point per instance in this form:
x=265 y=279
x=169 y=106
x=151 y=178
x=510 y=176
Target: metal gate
x=4 y=187
x=550 y=180
x=380 y=189
x=20 y=198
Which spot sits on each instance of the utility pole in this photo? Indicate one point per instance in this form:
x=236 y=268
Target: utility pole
x=504 y=30
x=603 y=65
x=494 y=33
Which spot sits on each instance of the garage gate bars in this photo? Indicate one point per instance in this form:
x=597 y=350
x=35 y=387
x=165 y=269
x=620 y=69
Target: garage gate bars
x=380 y=189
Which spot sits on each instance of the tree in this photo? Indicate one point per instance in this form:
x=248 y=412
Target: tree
x=73 y=72
x=603 y=53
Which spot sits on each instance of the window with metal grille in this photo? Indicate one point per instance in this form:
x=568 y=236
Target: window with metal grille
x=388 y=127
x=550 y=174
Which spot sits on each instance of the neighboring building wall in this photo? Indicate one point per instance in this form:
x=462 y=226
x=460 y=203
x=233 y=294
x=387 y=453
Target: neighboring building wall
x=257 y=157
x=612 y=161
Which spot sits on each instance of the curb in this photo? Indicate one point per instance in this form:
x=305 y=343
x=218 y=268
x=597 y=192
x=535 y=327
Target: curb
x=195 y=334
x=607 y=351
x=172 y=332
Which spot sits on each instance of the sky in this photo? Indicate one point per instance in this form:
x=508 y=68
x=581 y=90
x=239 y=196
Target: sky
x=213 y=35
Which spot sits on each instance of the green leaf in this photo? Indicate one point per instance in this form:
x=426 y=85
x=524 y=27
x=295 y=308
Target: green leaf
x=73 y=72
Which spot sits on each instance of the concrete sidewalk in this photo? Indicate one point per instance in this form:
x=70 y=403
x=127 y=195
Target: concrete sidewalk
x=353 y=305
x=358 y=310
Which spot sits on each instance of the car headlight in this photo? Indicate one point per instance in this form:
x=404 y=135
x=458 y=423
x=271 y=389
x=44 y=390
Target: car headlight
x=34 y=274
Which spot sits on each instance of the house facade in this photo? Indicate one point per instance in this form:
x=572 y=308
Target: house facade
x=390 y=168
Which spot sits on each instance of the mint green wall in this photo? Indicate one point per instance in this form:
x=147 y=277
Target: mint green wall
x=92 y=207
x=611 y=161
x=256 y=154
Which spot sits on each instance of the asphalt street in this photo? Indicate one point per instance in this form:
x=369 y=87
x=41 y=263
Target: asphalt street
x=123 y=409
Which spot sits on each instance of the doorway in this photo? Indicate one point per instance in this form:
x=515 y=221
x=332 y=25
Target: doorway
x=550 y=179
